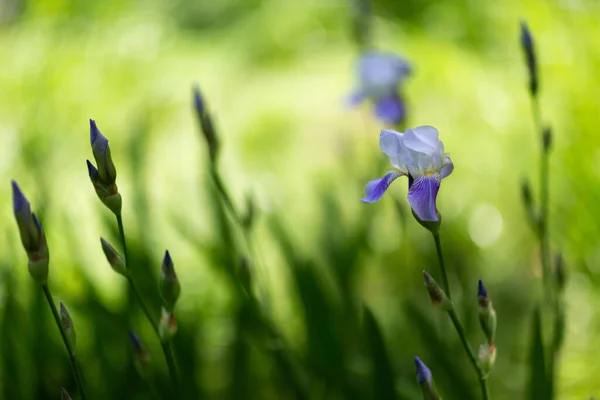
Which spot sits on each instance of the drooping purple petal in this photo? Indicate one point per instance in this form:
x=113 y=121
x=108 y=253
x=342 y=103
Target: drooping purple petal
x=390 y=109
x=421 y=196
x=375 y=189
x=423 y=373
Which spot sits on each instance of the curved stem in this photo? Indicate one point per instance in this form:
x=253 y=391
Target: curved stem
x=438 y=248
x=165 y=347
x=457 y=324
x=70 y=350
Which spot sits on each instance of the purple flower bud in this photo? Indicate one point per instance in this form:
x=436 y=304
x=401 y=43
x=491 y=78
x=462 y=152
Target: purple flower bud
x=425 y=380
x=32 y=236
x=135 y=341
x=481 y=290
x=169 y=284
x=423 y=373
x=198 y=102
x=206 y=125
x=92 y=171
x=106 y=168
x=487 y=314
x=141 y=357
x=528 y=48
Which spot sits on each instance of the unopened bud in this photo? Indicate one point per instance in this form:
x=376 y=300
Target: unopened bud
x=206 y=125
x=67 y=326
x=141 y=357
x=487 y=314
x=114 y=259
x=32 y=236
x=530 y=58
x=108 y=193
x=487 y=357
x=425 y=380
x=169 y=284
x=167 y=326
x=436 y=294
x=107 y=172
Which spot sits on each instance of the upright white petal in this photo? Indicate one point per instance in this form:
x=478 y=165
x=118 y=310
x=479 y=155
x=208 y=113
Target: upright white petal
x=423 y=139
x=390 y=142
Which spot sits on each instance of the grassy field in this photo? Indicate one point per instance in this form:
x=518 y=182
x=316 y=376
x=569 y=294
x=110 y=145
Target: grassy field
x=274 y=75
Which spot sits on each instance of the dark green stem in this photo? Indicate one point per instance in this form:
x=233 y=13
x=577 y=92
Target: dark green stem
x=458 y=326
x=224 y=194
x=438 y=248
x=165 y=346
x=70 y=350
x=544 y=201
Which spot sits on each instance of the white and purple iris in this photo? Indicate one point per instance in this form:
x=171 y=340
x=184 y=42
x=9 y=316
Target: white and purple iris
x=419 y=154
x=380 y=76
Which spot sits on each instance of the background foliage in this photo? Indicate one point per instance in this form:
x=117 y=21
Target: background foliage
x=341 y=306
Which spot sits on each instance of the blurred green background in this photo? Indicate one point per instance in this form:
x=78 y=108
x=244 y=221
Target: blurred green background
x=274 y=74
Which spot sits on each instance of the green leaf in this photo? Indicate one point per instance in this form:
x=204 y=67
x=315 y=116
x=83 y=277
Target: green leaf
x=538 y=382
x=382 y=374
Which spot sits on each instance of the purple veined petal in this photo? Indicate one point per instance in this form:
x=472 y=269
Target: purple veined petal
x=354 y=98
x=390 y=109
x=422 y=195
x=424 y=139
x=447 y=167
x=375 y=189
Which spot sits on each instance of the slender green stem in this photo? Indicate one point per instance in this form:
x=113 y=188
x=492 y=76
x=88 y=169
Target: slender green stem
x=438 y=248
x=457 y=324
x=123 y=241
x=224 y=194
x=165 y=346
x=544 y=201
x=70 y=350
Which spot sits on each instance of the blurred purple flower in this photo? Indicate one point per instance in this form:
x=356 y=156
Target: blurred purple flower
x=380 y=76
x=419 y=154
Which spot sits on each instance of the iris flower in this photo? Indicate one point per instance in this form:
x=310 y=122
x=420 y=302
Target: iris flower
x=418 y=154
x=380 y=76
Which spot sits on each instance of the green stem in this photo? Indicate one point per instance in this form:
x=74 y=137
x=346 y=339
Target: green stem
x=544 y=201
x=70 y=350
x=458 y=326
x=165 y=346
x=438 y=248
x=224 y=194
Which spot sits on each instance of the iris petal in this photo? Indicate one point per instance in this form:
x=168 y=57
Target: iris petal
x=423 y=139
x=447 y=167
x=422 y=195
x=390 y=109
x=375 y=189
